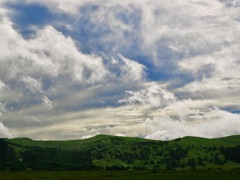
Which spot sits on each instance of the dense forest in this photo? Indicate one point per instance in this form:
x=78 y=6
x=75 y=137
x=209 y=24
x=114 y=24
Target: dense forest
x=120 y=153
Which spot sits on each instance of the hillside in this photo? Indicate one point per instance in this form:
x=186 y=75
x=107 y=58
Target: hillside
x=111 y=152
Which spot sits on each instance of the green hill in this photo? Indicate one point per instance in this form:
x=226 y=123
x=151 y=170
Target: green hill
x=111 y=152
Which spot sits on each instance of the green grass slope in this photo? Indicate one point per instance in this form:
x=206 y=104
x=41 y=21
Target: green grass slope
x=111 y=152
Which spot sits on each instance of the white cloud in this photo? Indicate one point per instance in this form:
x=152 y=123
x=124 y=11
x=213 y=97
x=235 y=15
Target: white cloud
x=88 y=136
x=2 y=85
x=168 y=31
x=121 y=135
x=47 y=56
x=2 y=109
x=4 y=132
x=47 y=75
x=61 y=53
x=33 y=85
x=216 y=123
x=131 y=70
x=216 y=75
x=154 y=94
x=47 y=102
x=132 y=120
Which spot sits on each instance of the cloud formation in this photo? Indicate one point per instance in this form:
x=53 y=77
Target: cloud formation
x=153 y=95
x=4 y=132
x=214 y=123
x=152 y=69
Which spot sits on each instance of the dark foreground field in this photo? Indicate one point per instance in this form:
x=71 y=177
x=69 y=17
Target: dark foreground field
x=128 y=174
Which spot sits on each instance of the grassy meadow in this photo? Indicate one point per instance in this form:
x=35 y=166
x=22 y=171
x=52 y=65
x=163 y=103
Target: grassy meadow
x=129 y=174
x=126 y=175
x=110 y=157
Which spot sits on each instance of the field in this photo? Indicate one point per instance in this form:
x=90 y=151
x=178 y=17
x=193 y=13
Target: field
x=129 y=174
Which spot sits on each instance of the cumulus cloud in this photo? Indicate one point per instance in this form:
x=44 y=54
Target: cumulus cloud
x=49 y=53
x=34 y=69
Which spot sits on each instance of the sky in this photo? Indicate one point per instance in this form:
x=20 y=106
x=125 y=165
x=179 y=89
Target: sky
x=153 y=69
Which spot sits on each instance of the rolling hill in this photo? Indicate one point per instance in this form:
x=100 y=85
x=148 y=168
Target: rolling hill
x=115 y=153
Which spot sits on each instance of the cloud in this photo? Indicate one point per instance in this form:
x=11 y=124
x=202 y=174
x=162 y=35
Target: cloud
x=164 y=32
x=2 y=85
x=215 y=123
x=4 y=132
x=46 y=59
x=49 y=54
x=233 y=3
x=161 y=33
x=154 y=94
x=2 y=108
x=42 y=67
x=216 y=75
x=151 y=69
x=131 y=120
x=48 y=74
x=47 y=102
x=129 y=70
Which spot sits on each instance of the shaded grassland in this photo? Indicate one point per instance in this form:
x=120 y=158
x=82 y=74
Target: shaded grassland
x=126 y=174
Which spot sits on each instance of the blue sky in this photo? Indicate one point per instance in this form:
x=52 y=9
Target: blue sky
x=151 y=69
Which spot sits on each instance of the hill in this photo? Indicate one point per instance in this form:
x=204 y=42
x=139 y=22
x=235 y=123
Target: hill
x=111 y=152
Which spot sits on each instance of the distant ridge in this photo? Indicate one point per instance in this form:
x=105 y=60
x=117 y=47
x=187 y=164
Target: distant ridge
x=115 y=152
